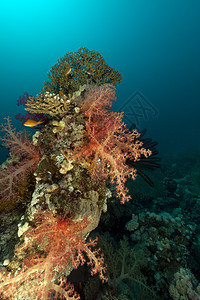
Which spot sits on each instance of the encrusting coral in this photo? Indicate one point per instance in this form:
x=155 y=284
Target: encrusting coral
x=184 y=286
x=80 y=147
x=166 y=238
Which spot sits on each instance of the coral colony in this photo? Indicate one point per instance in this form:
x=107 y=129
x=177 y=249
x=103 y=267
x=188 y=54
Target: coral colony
x=60 y=176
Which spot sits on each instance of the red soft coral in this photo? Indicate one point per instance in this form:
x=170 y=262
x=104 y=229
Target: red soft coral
x=63 y=243
x=24 y=158
x=110 y=142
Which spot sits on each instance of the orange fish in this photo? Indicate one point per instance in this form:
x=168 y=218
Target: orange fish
x=32 y=123
x=61 y=93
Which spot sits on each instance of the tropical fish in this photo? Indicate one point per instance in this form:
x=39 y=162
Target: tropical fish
x=89 y=72
x=67 y=71
x=61 y=93
x=32 y=123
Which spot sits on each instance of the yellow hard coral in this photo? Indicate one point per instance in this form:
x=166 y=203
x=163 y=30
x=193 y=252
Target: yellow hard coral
x=48 y=103
x=53 y=104
x=85 y=67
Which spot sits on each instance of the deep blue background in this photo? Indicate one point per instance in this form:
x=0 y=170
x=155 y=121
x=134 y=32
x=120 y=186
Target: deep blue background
x=154 y=44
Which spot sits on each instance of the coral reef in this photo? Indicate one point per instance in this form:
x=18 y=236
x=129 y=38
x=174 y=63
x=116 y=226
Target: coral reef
x=67 y=164
x=165 y=228
x=166 y=238
x=71 y=177
x=184 y=286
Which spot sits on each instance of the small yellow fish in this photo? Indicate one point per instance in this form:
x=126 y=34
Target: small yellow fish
x=32 y=123
x=67 y=71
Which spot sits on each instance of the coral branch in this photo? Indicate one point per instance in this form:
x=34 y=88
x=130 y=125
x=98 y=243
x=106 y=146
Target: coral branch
x=110 y=142
x=25 y=158
x=18 y=143
x=63 y=243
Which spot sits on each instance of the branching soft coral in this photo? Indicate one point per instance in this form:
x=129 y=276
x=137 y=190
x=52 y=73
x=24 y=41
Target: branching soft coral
x=110 y=143
x=125 y=265
x=24 y=158
x=59 y=243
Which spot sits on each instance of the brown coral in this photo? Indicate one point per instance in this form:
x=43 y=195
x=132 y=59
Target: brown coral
x=78 y=68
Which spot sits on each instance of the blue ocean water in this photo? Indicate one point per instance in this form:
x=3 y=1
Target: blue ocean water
x=154 y=44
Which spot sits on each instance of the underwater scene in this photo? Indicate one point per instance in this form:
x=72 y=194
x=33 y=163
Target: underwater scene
x=99 y=150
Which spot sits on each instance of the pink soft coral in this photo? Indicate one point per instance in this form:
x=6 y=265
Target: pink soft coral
x=24 y=158
x=63 y=244
x=110 y=143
